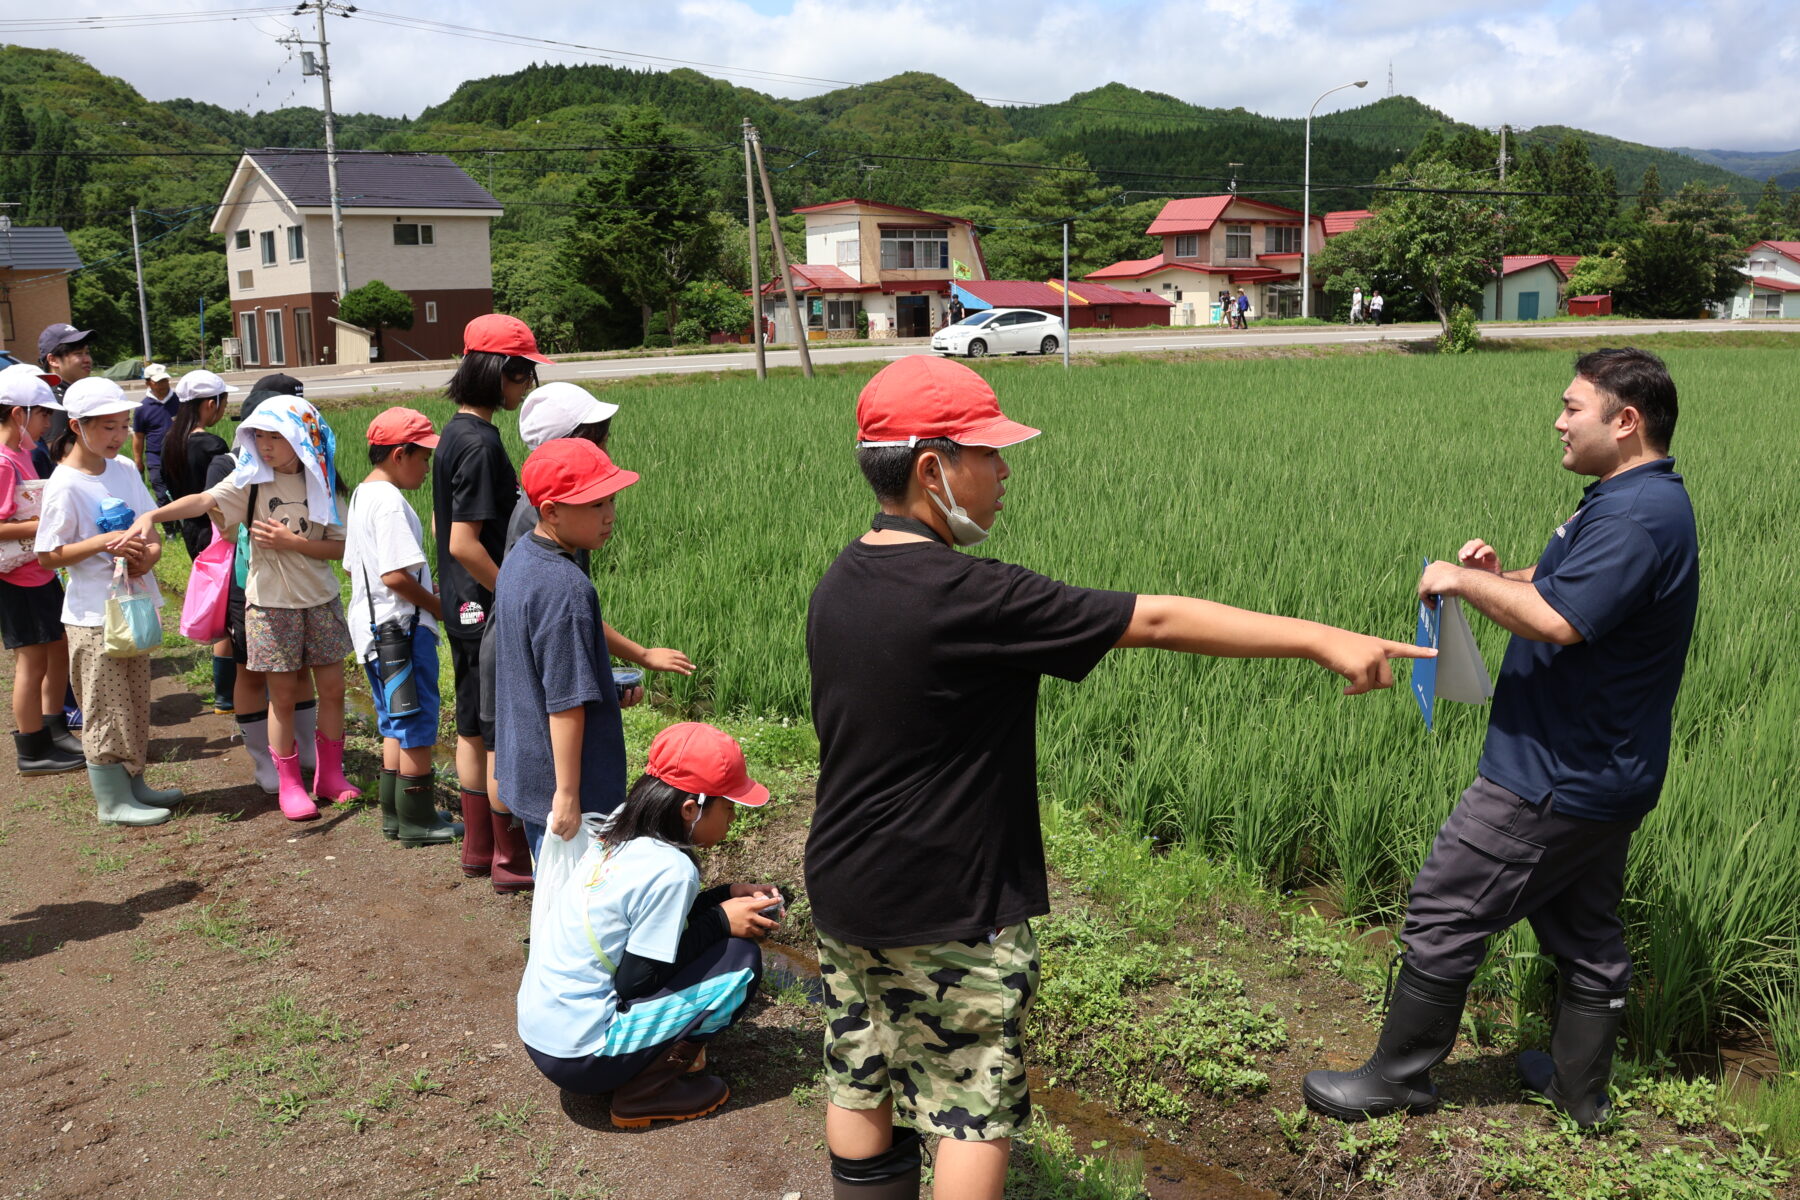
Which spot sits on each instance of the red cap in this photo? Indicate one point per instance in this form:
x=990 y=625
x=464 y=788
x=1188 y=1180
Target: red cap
x=497 y=333
x=572 y=471
x=924 y=396
x=706 y=761
x=402 y=427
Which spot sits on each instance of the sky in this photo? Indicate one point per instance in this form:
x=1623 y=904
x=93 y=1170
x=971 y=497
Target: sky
x=1724 y=74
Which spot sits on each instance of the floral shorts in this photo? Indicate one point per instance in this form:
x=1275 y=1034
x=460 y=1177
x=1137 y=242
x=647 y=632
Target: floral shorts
x=285 y=640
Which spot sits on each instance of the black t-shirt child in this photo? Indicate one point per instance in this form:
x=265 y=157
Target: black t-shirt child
x=925 y=666
x=471 y=480
x=202 y=449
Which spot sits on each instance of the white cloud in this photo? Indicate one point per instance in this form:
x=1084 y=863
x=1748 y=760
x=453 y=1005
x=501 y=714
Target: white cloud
x=1657 y=72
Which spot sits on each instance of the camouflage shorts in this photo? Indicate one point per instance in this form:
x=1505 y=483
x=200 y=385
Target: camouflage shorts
x=936 y=1027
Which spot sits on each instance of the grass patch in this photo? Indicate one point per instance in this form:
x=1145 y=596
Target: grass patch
x=229 y=930
x=276 y=1055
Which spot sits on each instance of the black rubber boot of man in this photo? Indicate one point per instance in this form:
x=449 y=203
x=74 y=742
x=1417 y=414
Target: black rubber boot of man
x=1422 y=1019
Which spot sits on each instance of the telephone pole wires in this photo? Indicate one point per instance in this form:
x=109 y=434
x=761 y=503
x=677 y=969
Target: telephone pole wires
x=137 y=257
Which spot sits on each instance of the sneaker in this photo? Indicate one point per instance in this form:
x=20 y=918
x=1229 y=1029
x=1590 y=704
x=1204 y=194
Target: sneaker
x=224 y=707
x=72 y=716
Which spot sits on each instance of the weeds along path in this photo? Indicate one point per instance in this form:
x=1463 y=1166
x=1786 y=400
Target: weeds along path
x=230 y=1005
x=1311 y=486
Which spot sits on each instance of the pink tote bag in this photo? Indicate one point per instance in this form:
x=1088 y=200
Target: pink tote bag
x=203 y=608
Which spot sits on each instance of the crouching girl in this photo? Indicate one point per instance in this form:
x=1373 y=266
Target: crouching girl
x=639 y=969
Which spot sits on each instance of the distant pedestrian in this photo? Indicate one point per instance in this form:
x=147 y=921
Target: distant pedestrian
x=1577 y=751
x=1243 y=309
x=1375 y=308
x=1356 y=306
x=150 y=425
x=1226 y=316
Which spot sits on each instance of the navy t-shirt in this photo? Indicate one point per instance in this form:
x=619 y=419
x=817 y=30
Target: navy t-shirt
x=1589 y=723
x=550 y=656
x=471 y=480
x=152 y=419
x=925 y=669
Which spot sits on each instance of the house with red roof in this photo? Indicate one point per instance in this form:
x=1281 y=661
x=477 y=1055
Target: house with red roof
x=1345 y=219
x=1221 y=243
x=1533 y=288
x=1091 y=305
x=1771 y=286
x=892 y=265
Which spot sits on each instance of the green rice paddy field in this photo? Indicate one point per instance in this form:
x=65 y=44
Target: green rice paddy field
x=1309 y=487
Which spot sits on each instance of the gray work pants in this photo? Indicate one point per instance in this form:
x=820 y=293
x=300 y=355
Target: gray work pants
x=1499 y=860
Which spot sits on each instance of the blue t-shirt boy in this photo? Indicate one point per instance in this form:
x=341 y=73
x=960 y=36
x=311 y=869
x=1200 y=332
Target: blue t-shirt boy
x=550 y=656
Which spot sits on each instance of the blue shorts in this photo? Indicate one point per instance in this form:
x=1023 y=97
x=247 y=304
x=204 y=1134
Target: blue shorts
x=421 y=728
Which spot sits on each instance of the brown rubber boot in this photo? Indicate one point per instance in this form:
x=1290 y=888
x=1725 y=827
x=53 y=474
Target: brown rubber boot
x=665 y=1091
x=512 y=854
x=478 y=834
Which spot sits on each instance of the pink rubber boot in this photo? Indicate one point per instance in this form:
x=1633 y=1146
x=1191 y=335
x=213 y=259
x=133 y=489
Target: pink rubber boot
x=296 y=805
x=328 y=778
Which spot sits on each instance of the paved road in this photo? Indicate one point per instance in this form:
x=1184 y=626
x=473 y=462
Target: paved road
x=322 y=382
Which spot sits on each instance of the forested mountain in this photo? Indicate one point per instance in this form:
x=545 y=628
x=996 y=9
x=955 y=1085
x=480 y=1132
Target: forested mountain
x=1756 y=164
x=553 y=142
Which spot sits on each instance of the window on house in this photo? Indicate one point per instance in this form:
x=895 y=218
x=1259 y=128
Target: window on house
x=1282 y=239
x=849 y=252
x=1766 y=304
x=277 y=346
x=1187 y=245
x=246 y=280
x=840 y=314
x=431 y=312
x=296 y=243
x=241 y=239
x=1237 y=241
x=410 y=233
x=915 y=249
x=268 y=248
x=247 y=325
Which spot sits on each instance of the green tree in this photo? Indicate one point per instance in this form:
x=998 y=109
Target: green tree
x=1028 y=241
x=709 y=306
x=1575 y=213
x=1440 y=245
x=1793 y=213
x=645 y=228
x=535 y=282
x=174 y=286
x=1597 y=274
x=103 y=294
x=1770 y=218
x=1689 y=256
x=376 y=306
x=1650 y=193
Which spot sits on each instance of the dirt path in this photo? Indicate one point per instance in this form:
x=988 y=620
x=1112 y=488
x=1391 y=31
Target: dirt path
x=232 y=1005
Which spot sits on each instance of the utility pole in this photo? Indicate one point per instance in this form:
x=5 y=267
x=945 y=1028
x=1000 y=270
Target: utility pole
x=1065 y=291
x=1500 y=269
x=781 y=258
x=322 y=68
x=137 y=256
x=756 y=279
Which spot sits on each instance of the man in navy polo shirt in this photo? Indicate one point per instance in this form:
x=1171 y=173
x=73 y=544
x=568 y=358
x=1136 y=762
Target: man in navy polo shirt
x=1577 y=747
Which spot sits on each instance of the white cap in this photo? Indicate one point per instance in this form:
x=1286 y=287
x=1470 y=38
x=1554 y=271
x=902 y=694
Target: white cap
x=202 y=385
x=24 y=386
x=154 y=372
x=556 y=409
x=96 y=396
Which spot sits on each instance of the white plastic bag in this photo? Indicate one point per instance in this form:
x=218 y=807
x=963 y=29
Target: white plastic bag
x=553 y=872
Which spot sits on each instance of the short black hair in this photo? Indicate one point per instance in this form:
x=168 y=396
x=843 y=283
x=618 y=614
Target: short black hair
x=889 y=468
x=1638 y=378
x=476 y=383
x=593 y=431
x=380 y=454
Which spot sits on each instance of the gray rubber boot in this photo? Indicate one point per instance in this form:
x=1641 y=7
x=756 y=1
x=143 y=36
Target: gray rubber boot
x=256 y=745
x=306 y=728
x=40 y=755
x=1422 y=1019
x=1574 y=1075
x=156 y=797
x=891 y=1175
x=113 y=800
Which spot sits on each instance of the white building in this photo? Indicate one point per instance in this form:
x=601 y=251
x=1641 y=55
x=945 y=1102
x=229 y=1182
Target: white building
x=1771 y=286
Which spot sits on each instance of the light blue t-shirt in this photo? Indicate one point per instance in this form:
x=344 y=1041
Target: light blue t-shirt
x=635 y=897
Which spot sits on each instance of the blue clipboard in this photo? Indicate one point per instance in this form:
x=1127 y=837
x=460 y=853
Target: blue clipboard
x=1424 y=670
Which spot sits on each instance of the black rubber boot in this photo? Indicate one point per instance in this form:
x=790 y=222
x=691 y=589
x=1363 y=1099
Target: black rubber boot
x=1574 y=1075
x=891 y=1175
x=419 y=823
x=40 y=755
x=390 y=816
x=1422 y=1018
x=57 y=725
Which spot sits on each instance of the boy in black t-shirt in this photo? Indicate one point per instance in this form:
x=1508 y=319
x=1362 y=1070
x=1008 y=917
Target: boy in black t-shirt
x=474 y=488
x=925 y=667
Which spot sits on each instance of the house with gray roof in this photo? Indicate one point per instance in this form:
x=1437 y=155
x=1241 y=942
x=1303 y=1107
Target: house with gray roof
x=35 y=264
x=417 y=222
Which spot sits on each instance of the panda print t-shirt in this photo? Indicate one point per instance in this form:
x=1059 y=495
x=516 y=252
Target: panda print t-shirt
x=279 y=578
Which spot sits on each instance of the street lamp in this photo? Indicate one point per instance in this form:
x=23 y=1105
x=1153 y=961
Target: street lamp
x=1306 y=217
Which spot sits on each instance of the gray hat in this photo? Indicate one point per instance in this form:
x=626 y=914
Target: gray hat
x=61 y=335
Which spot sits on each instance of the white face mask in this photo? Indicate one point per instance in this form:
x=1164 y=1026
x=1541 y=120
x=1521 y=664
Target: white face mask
x=963 y=529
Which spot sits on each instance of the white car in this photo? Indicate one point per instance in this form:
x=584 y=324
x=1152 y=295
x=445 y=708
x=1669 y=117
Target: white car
x=1001 y=331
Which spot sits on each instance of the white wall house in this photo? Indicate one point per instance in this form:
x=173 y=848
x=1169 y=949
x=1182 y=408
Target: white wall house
x=1771 y=286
